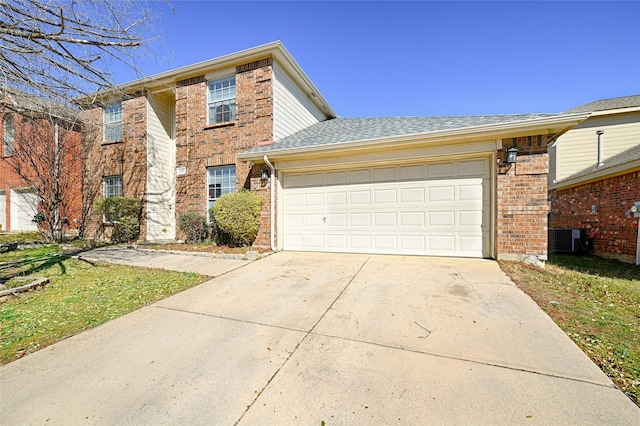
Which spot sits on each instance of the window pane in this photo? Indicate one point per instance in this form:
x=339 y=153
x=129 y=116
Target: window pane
x=9 y=136
x=222 y=102
x=221 y=180
x=112 y=186
x=113 y=122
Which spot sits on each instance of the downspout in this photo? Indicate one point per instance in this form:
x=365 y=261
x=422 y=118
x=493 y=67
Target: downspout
x=272 y=212
x=599 y=133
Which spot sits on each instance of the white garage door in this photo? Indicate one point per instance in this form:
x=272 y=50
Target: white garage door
x=24 y=206
x=438 y=209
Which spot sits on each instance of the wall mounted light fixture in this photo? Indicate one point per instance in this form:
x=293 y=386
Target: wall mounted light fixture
x=264 y=176
x=512 y=154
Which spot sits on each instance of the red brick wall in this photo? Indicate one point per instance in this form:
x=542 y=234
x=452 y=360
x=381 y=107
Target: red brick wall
x=616 y=233
x=199 y=145
x=41 y=133
x=127 y=157
x=522 y=199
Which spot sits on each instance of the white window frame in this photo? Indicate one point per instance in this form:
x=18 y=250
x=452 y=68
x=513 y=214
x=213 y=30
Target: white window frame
x=113 y=121
x=9 y=136
x=221 y=94
x=224 y=179
x=110 y=182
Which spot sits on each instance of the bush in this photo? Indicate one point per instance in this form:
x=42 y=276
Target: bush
x=124 y=214
x=195 y=226
x=237 y=217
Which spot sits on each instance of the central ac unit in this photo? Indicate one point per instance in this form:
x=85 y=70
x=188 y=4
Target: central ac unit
x=564 y=240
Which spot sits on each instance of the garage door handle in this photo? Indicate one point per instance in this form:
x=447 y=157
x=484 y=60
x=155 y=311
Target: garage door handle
x=324 y=219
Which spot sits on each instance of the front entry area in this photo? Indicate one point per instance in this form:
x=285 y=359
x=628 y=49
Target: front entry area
x=436 y=209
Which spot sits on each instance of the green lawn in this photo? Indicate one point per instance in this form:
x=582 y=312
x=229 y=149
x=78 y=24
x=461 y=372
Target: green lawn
x=597 y=303
x=80 y=295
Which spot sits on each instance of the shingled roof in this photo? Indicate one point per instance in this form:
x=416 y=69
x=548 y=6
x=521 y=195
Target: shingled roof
x=341 y=130
x=605 y=104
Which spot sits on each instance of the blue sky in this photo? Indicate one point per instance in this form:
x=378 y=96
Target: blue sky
x=374 y=58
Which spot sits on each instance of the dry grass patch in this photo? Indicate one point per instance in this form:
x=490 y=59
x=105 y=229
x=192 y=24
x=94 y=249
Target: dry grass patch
x=597 y=303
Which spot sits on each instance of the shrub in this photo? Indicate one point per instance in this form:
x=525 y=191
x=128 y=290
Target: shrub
x=195 y=226
x=237 y=216
x=124 y=214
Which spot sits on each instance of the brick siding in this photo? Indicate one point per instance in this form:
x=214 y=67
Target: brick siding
x=199 y=145
x=127 y=158
x=522 y=199
x=616 y=234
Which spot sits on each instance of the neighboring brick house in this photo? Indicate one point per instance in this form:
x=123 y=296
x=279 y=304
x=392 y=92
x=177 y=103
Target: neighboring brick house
x=29 y=127
x=401 y=185
x=596 y=177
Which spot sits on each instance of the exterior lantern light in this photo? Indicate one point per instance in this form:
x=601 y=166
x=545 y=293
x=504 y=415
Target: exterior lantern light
x=512 y=154
x=264 y=176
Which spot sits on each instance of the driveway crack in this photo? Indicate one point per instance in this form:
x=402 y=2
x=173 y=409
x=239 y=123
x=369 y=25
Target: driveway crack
x=295 y=349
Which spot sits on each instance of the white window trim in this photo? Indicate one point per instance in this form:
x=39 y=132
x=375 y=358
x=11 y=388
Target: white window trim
x=209 y=101
x=235 y=185
x=104 y=122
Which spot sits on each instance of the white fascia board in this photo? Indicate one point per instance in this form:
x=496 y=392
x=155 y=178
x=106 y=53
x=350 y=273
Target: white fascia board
x=276 y=49
x=490 y=131
x=615 y=111
x=620 y=169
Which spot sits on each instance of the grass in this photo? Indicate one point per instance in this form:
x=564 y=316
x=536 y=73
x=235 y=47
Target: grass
x=20 y=237
x=80 y=295
x=597 y=303
x=204 y=247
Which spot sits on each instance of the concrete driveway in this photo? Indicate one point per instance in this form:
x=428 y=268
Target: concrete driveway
x=302 y=338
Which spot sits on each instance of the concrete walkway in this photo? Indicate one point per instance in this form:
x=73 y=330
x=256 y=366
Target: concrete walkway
x=200 y=263
x=302 y=338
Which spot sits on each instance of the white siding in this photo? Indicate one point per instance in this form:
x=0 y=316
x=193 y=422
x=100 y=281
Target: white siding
x=160 y=168
x=24 y=206
x=292 y=110
x=578 y=148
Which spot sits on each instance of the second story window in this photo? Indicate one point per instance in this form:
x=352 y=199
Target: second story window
x=9 y=136
x=222 y=100
x=113 y=122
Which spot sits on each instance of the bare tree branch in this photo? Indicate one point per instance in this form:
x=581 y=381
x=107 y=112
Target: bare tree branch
x=63 y=49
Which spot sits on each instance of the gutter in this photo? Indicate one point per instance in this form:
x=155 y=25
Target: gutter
x=272 y=212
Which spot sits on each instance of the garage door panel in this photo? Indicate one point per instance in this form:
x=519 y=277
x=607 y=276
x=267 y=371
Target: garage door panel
x=412 y=195
x=294 y=200
x=384 y=196
x=338 y=241
x=413 y=243
x=442 y=218
x=408 y=209
x=385 y=242
x=360 y=197
x=337 y=199
x=337 y=219
x=470 y=218
x=360 y=219
x=362 y=242
x=441 y=194
x=382 y=219
x=412 y=219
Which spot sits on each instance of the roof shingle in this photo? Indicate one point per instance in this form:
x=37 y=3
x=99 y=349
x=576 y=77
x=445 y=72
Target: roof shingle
x=605 y=104
x=340 y=130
